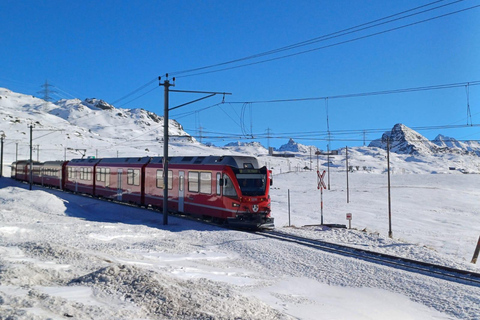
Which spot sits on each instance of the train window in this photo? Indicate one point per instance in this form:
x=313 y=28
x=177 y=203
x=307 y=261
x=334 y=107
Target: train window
x=228 y=187
x=160 y=179
x=106 y=176
x=99 y=174
x=252 y=184
x=130 y=175
x=206 y=182
x=133 y=177
x=181 y=183
x=219 y=183
x=89 y=174
x=193 y=181
x=160 y=183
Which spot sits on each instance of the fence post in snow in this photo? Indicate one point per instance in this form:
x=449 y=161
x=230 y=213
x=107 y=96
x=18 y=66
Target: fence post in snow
x=289 y=207
x=477 y=250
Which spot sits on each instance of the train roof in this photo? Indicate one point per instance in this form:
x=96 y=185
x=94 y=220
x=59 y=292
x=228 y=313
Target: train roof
x=54 y=163
x=84 y=161
x=133 y=160
x=20 y=162
x=241 y=162
x=233 y=161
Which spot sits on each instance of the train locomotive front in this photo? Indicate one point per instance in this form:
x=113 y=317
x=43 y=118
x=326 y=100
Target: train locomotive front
x=247 y=189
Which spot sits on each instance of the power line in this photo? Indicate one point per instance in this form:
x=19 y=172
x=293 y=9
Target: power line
x=366 y=94
x=135 y=91
x=322 y=38
x=298 y=44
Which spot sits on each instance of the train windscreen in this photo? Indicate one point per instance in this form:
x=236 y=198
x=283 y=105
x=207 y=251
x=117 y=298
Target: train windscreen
x=252 y=184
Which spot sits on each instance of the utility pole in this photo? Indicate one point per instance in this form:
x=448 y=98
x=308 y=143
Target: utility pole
x=310 y=158
x=346 y=169
x=2 y=137
x=31 y=161
x=166 y=84
x=200 y=133
x=268 y=138
x=390 y=234
x=328 y=161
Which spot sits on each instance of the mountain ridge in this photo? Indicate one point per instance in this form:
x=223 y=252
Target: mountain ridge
x=404 y=140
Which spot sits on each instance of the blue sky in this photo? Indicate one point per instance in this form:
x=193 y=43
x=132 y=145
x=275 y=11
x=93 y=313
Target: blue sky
x=107 y=49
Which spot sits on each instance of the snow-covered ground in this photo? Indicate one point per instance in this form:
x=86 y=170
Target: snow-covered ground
x=67 y=256
x=64 y=255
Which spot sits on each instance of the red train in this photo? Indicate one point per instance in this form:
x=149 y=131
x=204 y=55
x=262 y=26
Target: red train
x=229 y=189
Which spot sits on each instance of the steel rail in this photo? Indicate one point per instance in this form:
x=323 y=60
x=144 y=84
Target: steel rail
x=425 y=268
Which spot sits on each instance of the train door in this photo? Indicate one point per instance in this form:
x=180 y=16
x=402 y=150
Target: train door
x=76 y=177
x=119 y=185
x=181 y=190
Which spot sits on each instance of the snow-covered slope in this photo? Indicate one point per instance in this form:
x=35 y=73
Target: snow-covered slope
x=254 y=148
x=94 y=125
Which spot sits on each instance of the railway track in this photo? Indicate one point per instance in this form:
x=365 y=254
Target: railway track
x=410 y=265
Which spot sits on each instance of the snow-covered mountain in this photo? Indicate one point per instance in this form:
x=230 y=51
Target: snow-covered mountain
x=91 y=124
x=73 y=128
x=452 y=143
x=255 y=148
x=292 y=146
x=404 y=140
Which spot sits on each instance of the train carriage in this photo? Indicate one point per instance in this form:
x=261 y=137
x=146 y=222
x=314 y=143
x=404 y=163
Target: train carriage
x=121 y=179
x=37 y=173
x=53 y=174
x=21 y=170
x=80 y=175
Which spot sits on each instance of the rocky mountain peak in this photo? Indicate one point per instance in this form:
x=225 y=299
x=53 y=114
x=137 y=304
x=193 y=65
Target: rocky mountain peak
x=404 y=140
x=97 y=103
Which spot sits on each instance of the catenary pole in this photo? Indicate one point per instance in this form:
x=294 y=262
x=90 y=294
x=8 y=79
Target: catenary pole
x=166 y=84
x=346 y=169
x=2 y=137
x=31 y=161
x=390 y=234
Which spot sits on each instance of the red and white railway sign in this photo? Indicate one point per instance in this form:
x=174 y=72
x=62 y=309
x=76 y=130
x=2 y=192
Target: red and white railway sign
x=321 y=182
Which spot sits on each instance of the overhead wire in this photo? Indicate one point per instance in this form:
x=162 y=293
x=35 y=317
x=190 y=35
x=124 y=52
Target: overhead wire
x=298 y=44
x=365 y=94
x=322 y=38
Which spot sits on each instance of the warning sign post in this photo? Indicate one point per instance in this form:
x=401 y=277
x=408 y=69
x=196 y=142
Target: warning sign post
x=321 y=185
